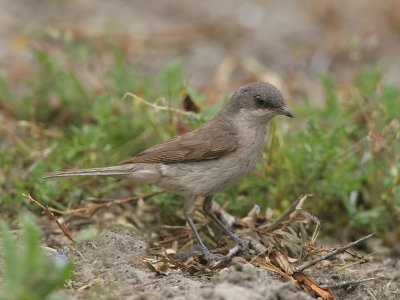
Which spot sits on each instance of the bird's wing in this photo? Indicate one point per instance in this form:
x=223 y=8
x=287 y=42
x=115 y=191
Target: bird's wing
x=207 y=142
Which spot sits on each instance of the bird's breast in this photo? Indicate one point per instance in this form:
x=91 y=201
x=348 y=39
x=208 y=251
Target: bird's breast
x=250 y=148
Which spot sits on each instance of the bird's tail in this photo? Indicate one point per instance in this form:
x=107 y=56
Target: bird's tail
x=122 y=170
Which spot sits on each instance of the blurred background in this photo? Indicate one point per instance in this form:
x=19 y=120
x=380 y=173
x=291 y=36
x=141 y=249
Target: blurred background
x=65 y=66
x=289 y=42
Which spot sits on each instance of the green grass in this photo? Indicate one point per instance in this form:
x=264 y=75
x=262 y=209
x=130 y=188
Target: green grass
x=348 y=146
x=28 y=273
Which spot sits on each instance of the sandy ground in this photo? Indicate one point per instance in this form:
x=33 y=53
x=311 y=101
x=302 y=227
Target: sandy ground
x=112 y=267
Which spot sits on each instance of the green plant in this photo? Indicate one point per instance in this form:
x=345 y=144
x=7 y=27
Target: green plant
x=345 y=150
x=28 y=273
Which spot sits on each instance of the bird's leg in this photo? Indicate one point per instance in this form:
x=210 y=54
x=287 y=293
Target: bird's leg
x=207 y=207
x=188 y=213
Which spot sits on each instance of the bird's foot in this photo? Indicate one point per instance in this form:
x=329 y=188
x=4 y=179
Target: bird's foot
x=212 y=256
x=224 y=260
x=221 y=262
x=216 y=260
x=243 y=246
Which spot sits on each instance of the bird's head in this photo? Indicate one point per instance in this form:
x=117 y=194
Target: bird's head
x=259 y=100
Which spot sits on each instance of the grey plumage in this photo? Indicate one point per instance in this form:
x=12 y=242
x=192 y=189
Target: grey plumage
x=209 y=159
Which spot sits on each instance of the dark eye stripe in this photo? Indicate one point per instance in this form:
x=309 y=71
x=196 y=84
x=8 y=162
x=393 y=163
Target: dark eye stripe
x=260 y=101
x=264 y=103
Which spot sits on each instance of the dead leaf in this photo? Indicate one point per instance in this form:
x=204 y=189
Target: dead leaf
x=312 y=286
x=189 y=105
x=160 y=265
x=282 y=261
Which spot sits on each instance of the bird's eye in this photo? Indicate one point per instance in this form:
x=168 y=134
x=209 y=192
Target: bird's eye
x=260 y=101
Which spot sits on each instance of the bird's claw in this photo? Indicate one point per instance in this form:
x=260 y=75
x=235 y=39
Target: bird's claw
x=222 y=262
x=213 y=256
x=216 y=260
x=244 y=247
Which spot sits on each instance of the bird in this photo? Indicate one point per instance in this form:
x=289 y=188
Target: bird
x=207 y=160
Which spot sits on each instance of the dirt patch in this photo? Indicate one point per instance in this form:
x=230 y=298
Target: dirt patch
x=112 y=267
x=386 y=284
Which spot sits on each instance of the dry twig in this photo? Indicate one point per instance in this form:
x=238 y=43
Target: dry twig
x=159 y=107
x=93 y=207
x=346 y=284
x=330 y=254
x=293 y=207
x=63 y=228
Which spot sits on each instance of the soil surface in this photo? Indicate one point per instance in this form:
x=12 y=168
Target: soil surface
x=112 y=267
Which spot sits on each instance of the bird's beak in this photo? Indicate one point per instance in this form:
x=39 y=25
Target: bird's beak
x=285 y=111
